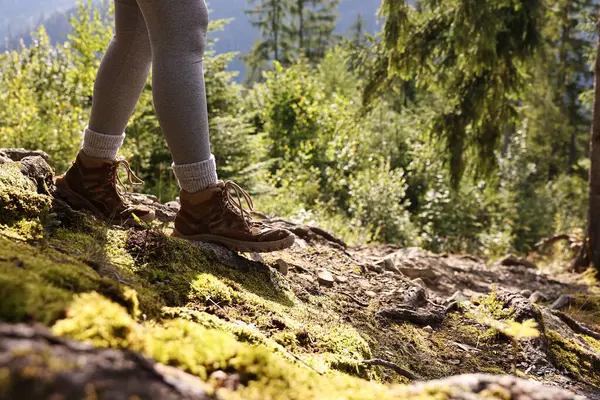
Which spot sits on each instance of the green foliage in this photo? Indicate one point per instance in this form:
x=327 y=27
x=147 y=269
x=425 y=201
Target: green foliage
x=305 y=144
x=378 y=199
x=477 y=74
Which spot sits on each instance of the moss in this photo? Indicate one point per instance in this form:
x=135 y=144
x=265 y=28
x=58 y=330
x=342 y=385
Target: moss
x=201 y=351
x=38 y=284
x=571 y=356
x=594 y=343
x=491 y=306
x=18 y=196
x=208 y=289
x=94 y=319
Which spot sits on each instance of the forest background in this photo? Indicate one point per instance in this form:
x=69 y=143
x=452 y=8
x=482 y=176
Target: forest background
x=460 y=127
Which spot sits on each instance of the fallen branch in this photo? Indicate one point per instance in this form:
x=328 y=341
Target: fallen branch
x=551 y=240
x=422 y=318
x=395 y=367
x=357 y=301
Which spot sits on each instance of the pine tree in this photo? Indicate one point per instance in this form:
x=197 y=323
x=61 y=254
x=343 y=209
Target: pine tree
x=271 y=17
x=290 y=29
x=357 y=30
x=476 y=74
x=313 y=25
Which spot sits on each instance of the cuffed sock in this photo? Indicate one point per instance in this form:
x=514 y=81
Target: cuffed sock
x=198 y=176
x=99 y=145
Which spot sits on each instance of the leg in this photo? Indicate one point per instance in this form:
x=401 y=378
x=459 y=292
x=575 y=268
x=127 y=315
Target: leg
x=210 y=211
x=177 y=32
x=91 y=182
x=121 y=78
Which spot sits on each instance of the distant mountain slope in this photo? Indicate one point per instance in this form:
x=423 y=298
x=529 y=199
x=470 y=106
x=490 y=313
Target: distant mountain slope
x=24 y=15
x=17 y=16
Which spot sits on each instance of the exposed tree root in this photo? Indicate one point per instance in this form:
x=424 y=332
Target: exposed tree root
x=395 y=367
x=576 y=326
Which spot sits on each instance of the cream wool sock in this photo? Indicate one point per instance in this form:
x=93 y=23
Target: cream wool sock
x=99 y=145
x=198 y=176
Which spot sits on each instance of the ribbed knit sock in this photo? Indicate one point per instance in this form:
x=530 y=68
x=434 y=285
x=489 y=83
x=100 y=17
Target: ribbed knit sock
x=99 y=145
x=198 y=176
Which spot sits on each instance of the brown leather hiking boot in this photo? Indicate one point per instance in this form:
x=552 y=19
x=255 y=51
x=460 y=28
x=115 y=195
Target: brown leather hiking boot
x=93 y=184
x=216 y=215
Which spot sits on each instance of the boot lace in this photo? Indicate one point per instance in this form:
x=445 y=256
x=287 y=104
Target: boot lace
x=115 y=180
x=234 y=198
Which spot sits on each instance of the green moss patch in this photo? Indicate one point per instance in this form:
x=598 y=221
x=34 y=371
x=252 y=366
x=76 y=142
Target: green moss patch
x=38 y=284
x=571 y=356
x=201 y=350
x=18 y=195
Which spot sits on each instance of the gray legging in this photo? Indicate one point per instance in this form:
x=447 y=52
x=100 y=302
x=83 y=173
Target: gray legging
x=170 y=35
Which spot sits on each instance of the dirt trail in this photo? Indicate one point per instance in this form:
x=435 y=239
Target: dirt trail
x=319 y=320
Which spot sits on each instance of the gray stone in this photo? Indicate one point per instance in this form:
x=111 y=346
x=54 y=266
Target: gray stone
x=537 y=297
x=458 y=296
x=525 y=293
x=325 y=278
x=420 y=282
x=283 y=267
x=511 y=260
x=388 y=265
x=564 y=301
x=18 y=154
x=375 y=268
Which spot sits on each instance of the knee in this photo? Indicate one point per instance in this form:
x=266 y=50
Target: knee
x=186 y=31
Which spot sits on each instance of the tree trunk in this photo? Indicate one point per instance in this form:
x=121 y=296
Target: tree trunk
x=594 y=203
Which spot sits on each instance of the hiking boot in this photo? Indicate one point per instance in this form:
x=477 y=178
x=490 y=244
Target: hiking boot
x=93 y=184
x=217 y=215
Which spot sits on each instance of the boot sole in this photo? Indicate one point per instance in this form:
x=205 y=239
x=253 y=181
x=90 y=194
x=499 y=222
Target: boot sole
x=78 y=202
x=238 y=245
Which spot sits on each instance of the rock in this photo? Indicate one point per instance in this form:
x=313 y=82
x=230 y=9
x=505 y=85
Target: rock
x=512 y=261
x=19 y=154
x=374 y=268
x=479 y=386
x=537 y=297
x=400 y=315
x=341 y=279
x=427 y=274
x=283 y=267
x=428 y=329
x=364 y=283
x=325 y=278
x=414 y=296
x=114 y=373
x=420 y=282
x=388 y=264
x=37 y=169
x=564 y=301
x=458 y=296
x=301 y=243
x=306 y=277
x=256 y=257
x=173 y=205
x=371 y=293
x=142 y=199
x=221 y=379
x=525 y=293
x=163 y=212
